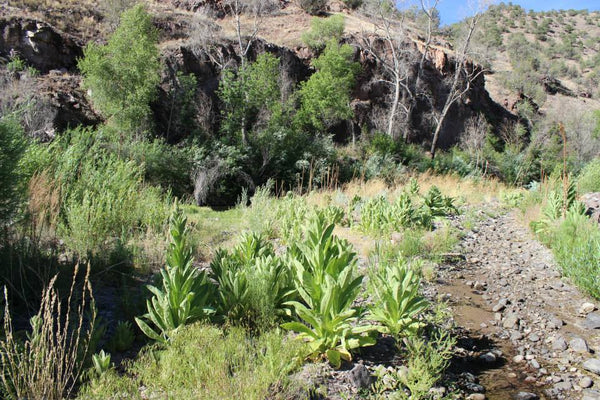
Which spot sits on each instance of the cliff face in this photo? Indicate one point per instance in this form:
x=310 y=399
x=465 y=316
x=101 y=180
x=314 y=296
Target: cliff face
x=55 y=54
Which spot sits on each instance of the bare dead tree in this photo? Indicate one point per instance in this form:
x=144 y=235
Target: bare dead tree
x=465 y=73
x=387 y=45
x=429 y=9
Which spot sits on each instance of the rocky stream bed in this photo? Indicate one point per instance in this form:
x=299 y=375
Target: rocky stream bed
x=523 y=331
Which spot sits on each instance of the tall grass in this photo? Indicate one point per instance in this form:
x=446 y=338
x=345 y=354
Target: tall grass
x=48 y=363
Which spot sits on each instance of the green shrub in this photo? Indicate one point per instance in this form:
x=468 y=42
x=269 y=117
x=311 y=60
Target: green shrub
x=589 y=178
x=186 y=292
x=123 y=74
x=204 y=362
x=326 y=280
x=426 y=362
x=576 y=246
x=108 y=202
x=254 y=284
x=104 y=202
x=313 y=7
x=322 y=30
x=13 y=145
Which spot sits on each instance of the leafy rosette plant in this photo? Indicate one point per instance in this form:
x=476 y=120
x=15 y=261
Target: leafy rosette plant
x=326 y=280
x=186 y=292
x=397 y=301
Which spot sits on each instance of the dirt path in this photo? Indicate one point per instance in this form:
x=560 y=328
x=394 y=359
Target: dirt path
x=527 y=332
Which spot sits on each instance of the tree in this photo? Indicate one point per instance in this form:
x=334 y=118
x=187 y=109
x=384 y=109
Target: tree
x=322 y=30
x=388 y=45
x=325 y=96
x=254 y=88
x=465 y=73
x=122 y=76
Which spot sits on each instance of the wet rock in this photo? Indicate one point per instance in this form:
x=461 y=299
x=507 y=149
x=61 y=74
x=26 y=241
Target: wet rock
x=474 y=387
x=585 y=382
x=360 y=377
x=592 y=365
x=579 y=345
x=592 y=321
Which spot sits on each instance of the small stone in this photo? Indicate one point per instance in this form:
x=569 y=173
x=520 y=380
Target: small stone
x=476 y=396
x=586 y=308
x=555 y=323
x=534 y=364
x=592 y=321
x=498 y=307
x=592 y=365
x=591 y=395
x=479 y=285
x=526 y=396
x=518 y=358
x=474 y=387
x=510 y=321
x=559 y=344
x=579 y=345
x=516 y=335
x=488 y=358
x=360 y=376
x=585 y=382
x=534 y=337
x=566 y=385
x=438 y=391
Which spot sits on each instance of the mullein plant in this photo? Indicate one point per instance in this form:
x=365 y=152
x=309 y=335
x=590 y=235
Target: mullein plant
x=186 y=292
x=327 y=283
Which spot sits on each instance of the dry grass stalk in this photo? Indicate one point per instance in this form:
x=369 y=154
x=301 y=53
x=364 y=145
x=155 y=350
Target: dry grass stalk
x=49 y=363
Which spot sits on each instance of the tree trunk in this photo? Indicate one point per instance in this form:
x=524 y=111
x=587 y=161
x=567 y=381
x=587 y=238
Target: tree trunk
x=392 y=116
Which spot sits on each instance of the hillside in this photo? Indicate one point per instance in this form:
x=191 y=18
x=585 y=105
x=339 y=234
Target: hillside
x=552 y=57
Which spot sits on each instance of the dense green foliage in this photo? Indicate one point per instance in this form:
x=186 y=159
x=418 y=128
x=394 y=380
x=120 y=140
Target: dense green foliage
x=204 y=362
x=13 y=145
x=322 y=30
x=396 y=298
x=123 y=75
x=254 y=284
x=325 y=97
x=589 y=178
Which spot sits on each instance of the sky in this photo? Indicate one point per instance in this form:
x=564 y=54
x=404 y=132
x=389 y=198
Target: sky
x=454 y=10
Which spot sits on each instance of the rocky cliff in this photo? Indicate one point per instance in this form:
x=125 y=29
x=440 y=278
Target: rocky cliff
x=54 y=54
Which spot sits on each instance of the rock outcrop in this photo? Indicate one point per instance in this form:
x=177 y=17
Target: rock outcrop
x=38 y=43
